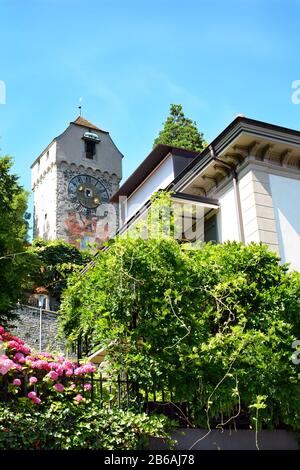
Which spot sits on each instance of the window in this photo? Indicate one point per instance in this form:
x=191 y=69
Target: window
x=211 y=229
x=90 y=149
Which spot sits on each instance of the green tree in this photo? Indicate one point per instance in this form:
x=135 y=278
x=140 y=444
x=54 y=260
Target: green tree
x=55 y=260
x=213 y=324
x=14 y=265
x=180 y=131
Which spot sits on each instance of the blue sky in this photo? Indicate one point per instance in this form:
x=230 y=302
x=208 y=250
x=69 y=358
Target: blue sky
x=128 y=60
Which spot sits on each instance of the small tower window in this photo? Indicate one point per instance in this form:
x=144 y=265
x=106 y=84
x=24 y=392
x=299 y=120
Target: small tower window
x=90 y=149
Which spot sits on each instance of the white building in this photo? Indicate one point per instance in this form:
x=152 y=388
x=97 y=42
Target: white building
x=247 y=181
x=72 y=181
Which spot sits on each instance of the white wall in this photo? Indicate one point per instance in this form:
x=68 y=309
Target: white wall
x=286 y=203
x=227 y=217
x=159 y=179
x=43 y=176
x=42 y=165
x=45 y=204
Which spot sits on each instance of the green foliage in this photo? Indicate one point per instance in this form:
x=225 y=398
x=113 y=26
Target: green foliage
x=55 y=260
x=214 y=324
x=45 y=264
x=180 y=131
x=63 y=426
x=13 y=237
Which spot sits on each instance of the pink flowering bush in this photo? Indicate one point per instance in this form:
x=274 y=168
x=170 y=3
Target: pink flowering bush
x=78 y=398
x=48 y=375
x=59 y=387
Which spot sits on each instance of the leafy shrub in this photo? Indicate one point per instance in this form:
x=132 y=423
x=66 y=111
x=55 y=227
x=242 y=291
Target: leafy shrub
x=214 y=324
x=64 y=425
x=54 y=414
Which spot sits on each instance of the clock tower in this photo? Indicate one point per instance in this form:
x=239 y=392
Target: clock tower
x=72 y=181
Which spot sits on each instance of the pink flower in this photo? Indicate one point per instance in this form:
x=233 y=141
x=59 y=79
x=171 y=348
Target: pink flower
x=7 y=336
x=2 y=330
x=24 y=349
x=67 y=365
x=46 y=354
x=1 y=339
x=78 y=371
x=36 y=400
x=78 y=398
x=18 y=346
x=89 y=367
x=85 y=369
x=53 y=375
x=41 y=365
x=17 y=382
x=72 y=386
x=59 y=387
x=69 y=372
x=19 y=357
x=33 y=380
x=59 y=370
x=10 y=337
x=87 y=387
x=5 y=365
x=31 y=395
x=14 y=345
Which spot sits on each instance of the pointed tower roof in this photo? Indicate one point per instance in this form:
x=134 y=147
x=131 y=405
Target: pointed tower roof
x=81 y=121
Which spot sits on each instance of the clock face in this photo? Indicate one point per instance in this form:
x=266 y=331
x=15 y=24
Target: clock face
x=87 y=192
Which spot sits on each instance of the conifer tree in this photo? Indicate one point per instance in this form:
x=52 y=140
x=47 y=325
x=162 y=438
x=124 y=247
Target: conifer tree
x=180 y=131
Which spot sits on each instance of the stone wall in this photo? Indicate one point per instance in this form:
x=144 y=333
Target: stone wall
x=27 y=327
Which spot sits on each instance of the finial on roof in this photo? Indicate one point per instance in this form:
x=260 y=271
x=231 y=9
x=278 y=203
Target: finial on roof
x=79 y=107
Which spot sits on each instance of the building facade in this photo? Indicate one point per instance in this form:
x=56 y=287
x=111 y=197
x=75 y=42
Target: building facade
x=72 y=181
x=246 y=184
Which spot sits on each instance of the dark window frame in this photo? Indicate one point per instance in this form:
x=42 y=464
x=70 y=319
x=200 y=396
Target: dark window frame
x=90 y=149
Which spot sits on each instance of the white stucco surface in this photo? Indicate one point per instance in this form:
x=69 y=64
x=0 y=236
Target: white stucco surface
x=227 y=217
x=159 y=179
x=45 y=204
x=286 y=203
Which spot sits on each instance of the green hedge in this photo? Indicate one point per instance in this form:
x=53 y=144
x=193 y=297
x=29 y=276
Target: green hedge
x=68 y=426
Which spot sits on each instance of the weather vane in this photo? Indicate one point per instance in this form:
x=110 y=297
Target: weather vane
x=79 y=107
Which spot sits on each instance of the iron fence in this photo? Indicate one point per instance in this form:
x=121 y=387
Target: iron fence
x=111 y=392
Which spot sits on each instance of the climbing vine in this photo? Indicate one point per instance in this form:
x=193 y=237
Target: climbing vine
x=214 y=324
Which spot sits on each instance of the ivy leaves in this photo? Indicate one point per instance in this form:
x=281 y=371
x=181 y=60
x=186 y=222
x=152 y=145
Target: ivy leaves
x=214 y=324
